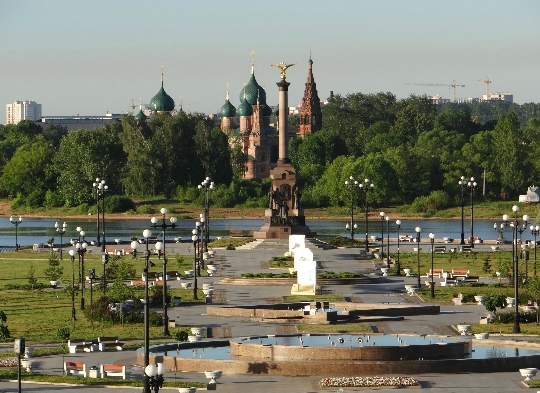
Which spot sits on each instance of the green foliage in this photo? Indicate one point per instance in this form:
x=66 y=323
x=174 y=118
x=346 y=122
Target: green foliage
x=120 y=292
x=486 y=267
x=340 y=241
x=434 y=201
x=52 y=199
x=31 y=276
x=64 y=333
x=145 y=209
x=155 y=319
x=54 y=271
x=494 y=301
x=180 y=335
x=118 y=204
x=5 y=335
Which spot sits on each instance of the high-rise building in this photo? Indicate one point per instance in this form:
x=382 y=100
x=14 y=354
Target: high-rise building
x=22 y=110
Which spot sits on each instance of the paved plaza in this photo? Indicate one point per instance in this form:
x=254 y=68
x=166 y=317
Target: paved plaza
x=390 y=290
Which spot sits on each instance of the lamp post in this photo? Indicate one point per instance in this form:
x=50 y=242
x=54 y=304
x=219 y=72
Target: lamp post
x=155 y=374
x=104 y=260
x=100 y=187
x=535 y=230
x=164 y=227
x=351 y=184
x=398 y=265
x=207 y=185
x=146 y=378
x=203 y=244
x=387 y=239
x=16 y=222
x=81 y=247
x=60 y=230
x=91 y=276
x=365 y=187
x=432 y=287
x=382 y=214
x=515 y=224
x=462 y=183
x=194 y=238
x=72 y=255
x=418 y=230
x=472 y=186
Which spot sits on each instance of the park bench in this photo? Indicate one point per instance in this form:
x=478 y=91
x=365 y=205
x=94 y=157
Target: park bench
x=110 y=250
x=127 y=251
x=80 y=343
x=405 y=238
x=460 y=273
x=75 y=368
x=137 y=282
x=112 y=370
x=109 y=342
x=465 y=248
x=439 y=249
x=436 y=272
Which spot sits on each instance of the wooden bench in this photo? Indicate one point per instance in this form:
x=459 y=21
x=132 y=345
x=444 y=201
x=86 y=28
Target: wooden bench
x=80 y=343
x=111 y=251
x=137 y=282
x=75 y=368
x=439 y=249
x=112 y=370
x=127 y=251
x=109 y=342
x=465 y=248
x=460 y=273
x=436 y=272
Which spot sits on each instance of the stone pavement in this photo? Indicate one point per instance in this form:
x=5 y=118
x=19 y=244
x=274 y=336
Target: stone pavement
x=237 y=261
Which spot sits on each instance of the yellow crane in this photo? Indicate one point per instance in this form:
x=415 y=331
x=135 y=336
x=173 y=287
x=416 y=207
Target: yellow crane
x=452 y=85
x=487 y=82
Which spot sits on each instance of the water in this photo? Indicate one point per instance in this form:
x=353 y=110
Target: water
x=478 y=351
x=40 y=230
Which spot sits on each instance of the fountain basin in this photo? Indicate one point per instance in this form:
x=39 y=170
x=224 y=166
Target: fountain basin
x=528 y=373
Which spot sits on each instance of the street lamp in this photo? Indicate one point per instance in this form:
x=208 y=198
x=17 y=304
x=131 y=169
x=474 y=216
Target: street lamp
x=81 y=247
x=365 y=187
x=535 y=230
x=382 y=214
x=462 y=183
x=91 y=276
x=72 y=255
x=472 y=185
x=207 y=185
x=100 y=187
x=432 y=287
x=164 y=227
x=155 y=374
x=104 y=260
x=514 y=226
x=387 y=240
x=351 y=184
x=194 y=238
x=418 y=230
x=146 y=378
x=60 y=230
x=16 y=222
x=398 y=265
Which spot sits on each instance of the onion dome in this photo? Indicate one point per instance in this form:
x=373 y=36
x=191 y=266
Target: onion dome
x=228 y=109
x=244 y=109
x=253 y=93
x=140 y=116
x=161 y=102
x=267 y=111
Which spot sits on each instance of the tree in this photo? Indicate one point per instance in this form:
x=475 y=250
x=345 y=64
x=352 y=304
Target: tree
x=54 y=271
x=5 y=335
x=533 y=289
x=495 y=301
x=31 y=276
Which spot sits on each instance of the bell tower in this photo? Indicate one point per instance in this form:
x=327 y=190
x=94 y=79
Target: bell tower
x=310 y=112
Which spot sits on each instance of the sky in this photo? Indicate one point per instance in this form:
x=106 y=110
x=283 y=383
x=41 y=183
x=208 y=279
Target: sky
x=96 y=56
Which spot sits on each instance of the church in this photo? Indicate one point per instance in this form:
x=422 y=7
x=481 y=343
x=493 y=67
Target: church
x=249 y=124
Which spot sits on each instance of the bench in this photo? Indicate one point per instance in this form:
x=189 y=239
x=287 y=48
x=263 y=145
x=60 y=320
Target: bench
x=460 y=273
x=137 y=282
x=75 y=368
x=127 y=251
x=437 y=272
x=405 y=238
x=465 y=248
x=112 y=370
x=109 y=342
x=81 y=343
x=112 y=251
x=439 y=249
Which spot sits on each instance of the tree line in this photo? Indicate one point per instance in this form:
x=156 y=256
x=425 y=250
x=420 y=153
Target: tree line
x=409 y=148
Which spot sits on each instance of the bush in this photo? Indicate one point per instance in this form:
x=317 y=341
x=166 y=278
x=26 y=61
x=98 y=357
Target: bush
x=84 y=208
x=53 y=199
x=145 y=209
x=155 y=319
x=431 y=203
x=118 y=204
x=63 y=333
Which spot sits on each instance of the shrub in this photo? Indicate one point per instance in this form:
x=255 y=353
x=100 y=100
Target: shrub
x=84 y=208
x=53 y=199
x=118 y=204
x=4 y=331
x=145 y=209
x=155 y=319
x=63 y=333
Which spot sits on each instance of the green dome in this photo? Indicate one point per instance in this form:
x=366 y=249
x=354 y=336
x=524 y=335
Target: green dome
x=162 y=102
x=244 y=109
x=267 y=111
x=140 y=116
x=228 y=109
x=254 y=93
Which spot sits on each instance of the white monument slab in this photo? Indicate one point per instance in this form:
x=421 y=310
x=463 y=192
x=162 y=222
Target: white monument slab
x=296 y=241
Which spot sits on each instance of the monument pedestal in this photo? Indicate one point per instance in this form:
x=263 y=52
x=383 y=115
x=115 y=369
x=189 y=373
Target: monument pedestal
x=306 y=289
x=284 y=216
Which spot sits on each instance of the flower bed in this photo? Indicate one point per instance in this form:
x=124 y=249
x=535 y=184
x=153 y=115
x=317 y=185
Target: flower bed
x=349 y=382
x=8 y=363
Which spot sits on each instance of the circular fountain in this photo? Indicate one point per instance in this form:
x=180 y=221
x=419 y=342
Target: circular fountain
x=316 y=354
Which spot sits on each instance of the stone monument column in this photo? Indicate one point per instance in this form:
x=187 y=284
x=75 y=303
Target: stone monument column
x=284 y=216
x=283 y=131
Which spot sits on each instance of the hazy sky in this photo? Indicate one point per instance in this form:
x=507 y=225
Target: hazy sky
x=89 y=57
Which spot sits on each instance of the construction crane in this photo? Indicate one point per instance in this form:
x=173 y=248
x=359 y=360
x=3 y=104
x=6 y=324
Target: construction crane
x=487 y=82
x=452 y=85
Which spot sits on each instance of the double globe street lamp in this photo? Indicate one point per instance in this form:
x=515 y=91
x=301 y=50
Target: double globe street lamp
x=80 y=248
x=16 y=222
x=352 y=185
x=207 y=185
x=432 y=286
x=60 y=229
x=382 y=214
x=163 y=225
x=398 y=265
x=365 y=187
x=418 y=230
x=472 y=186
x=101 y=187
x=535 y=231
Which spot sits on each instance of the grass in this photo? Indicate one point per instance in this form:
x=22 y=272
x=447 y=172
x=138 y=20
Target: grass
x=230 y=242
x=11 y=374
x=339 y=328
